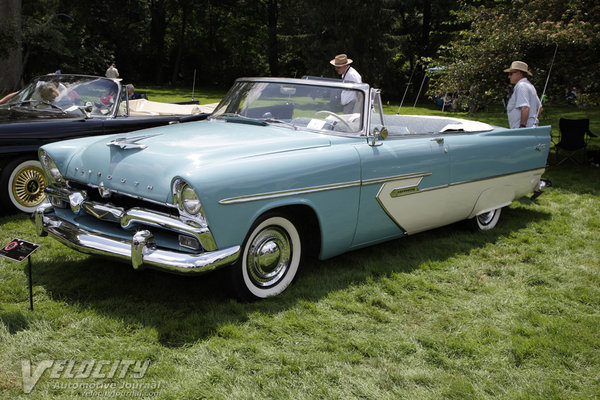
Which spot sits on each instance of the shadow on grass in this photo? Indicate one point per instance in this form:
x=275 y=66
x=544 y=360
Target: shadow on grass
x=14 y=321
x=574 y=178
x=186 y=309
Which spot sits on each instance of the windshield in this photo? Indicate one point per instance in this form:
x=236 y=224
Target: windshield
x=310 y=106
x=65 y=94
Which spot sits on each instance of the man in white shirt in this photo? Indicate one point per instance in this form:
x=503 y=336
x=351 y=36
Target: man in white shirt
x=524 y=106
x=341 y=63
x=112 y=72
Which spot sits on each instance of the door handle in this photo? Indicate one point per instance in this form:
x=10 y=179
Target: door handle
x=438 y=139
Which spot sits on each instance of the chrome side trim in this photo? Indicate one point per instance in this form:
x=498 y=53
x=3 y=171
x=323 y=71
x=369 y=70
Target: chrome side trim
x=314 y=189
x=458 y=183
x=374 y=181
x=493 y=177
x=291 y=192
x=394 y=178
x=140 y=250
x=404 y=190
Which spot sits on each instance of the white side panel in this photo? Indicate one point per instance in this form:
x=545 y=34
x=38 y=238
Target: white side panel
x=417 y=210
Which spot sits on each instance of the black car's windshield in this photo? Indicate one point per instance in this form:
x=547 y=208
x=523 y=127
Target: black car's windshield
x=66 y=94
x=317 y=106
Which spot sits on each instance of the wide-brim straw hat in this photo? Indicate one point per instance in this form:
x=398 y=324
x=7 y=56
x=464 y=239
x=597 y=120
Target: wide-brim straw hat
x=519 y=66
x=341 y=60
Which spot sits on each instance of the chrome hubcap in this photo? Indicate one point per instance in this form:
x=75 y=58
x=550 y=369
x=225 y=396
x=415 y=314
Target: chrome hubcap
x=269 y=256
x=28 y=187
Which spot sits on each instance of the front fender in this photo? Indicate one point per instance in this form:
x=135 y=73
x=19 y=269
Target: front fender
x=325 y=179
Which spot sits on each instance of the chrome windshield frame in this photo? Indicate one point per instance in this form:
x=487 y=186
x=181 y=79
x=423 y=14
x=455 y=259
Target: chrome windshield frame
x=72 y=82
x=329 y=84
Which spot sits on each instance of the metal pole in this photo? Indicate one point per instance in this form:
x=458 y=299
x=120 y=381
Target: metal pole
x=444 y=101
x=407 y=86
x=30 y=285
x=421 y=87
x=550 y=70
x=194 y=84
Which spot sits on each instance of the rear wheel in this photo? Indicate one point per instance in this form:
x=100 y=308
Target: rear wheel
x=486 y=221
x=270 y=258
x=23 y=183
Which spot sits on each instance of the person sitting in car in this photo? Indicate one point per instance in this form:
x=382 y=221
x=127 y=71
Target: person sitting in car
x=46 y=92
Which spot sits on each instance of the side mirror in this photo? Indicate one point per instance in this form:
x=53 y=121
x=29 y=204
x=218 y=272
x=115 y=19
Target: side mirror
x=380 y=132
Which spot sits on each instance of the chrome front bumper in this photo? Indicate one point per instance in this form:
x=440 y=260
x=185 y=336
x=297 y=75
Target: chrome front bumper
x=140 y=250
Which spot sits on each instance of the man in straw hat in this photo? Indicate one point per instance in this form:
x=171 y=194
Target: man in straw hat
x=341 y=63
x=524 y=105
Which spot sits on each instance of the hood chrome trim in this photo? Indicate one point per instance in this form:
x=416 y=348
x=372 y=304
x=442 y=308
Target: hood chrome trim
x=127 y=143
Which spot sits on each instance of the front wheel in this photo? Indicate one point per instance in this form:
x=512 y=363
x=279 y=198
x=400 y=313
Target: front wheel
x=23 y=183
x=270 y=258
x=486 y=221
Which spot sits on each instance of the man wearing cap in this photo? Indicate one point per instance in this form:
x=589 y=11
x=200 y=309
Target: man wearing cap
x=341 y=63
x=524 y=105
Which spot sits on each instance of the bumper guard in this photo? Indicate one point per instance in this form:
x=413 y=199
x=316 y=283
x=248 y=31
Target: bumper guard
x=140 y=250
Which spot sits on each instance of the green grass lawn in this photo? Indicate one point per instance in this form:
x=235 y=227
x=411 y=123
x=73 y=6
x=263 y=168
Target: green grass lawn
x=511 y=313
x=169 y=94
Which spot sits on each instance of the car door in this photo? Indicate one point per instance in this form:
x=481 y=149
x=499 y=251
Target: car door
x=402 y=187
x=489 y=169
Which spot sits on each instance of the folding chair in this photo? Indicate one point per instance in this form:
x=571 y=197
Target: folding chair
x=574 y=137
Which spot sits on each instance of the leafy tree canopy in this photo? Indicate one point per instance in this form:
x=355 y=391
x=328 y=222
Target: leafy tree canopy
x=171 y=41
x=498 y=32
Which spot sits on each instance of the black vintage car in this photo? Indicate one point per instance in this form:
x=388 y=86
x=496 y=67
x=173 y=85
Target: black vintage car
x=58 y=107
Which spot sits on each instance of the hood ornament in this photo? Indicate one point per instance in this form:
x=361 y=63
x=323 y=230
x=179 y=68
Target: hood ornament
x=126 y=143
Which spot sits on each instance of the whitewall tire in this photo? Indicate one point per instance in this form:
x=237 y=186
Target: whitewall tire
x=486 y=221
x=270 y=258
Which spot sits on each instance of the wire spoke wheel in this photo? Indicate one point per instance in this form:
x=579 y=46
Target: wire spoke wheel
x=26 y=185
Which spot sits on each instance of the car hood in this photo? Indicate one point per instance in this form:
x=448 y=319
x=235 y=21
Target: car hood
x=144 y=162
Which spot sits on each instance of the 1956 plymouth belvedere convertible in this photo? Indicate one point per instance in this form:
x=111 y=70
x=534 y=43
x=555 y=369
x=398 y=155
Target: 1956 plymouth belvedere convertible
x=59 y=107
x=278 y=171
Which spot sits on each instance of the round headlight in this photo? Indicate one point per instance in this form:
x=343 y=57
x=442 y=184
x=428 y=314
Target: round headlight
x=50 y=167
x=189 y=200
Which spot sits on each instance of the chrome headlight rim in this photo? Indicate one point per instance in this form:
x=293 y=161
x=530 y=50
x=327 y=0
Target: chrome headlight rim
x=187 y=200
x=50 y=168
x=190 y=201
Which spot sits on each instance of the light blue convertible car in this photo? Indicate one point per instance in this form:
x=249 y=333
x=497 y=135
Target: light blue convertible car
x=280 y=170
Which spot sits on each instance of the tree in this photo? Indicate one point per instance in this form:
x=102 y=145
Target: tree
x=11 y=63
x=503 y=31
x=153 y=41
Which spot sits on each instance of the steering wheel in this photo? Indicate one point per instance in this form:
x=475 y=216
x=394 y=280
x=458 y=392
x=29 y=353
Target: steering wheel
x=336 y=117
